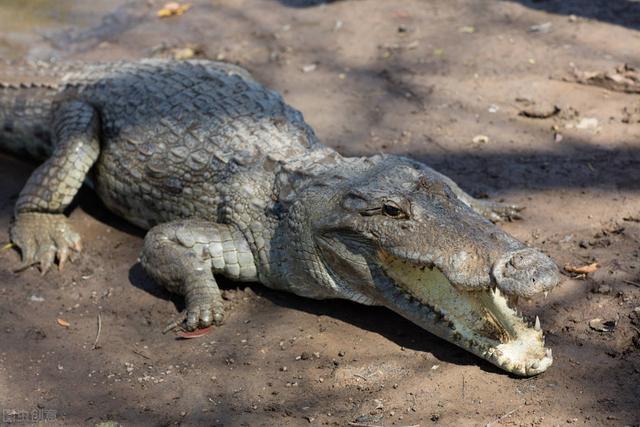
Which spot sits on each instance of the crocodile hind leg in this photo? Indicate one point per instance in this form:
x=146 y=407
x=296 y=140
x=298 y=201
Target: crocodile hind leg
x=493 y=211
x=40 y=230
x=183 y=257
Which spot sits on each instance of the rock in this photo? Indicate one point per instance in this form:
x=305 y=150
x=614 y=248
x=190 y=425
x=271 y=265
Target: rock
x=309 y=68
x=600 y=325
x=368 y=419
x=603 y=289
x=587 y=123
x=480 y=139
x=539 y=110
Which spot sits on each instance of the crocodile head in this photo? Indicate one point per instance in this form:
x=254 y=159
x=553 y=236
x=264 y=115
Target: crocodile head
x=396 y=235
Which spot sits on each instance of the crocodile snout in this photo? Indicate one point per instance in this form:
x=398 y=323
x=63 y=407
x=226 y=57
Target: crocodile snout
x=525 y=273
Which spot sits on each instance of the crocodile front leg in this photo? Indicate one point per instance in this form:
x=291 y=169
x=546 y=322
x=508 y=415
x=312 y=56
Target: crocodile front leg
x=40 y=230
x=183 y=257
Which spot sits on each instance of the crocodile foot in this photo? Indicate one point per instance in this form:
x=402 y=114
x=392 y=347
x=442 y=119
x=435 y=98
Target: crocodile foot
x=498 y=212
x=42 y=238
x=203 y=310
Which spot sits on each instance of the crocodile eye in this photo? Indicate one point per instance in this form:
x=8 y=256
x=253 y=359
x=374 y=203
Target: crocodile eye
x=392 y=211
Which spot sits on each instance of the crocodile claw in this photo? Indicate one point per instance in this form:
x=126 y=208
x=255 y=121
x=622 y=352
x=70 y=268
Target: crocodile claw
x=42 y=238
x=194 y=321
x=499 y=212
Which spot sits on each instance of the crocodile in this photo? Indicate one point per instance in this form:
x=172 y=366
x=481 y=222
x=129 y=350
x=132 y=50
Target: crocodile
x=230 y=180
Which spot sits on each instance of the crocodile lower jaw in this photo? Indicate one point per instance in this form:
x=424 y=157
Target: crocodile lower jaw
x=482 y=322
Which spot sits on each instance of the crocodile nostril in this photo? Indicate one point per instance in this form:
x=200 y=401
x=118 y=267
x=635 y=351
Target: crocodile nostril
x=525 y=260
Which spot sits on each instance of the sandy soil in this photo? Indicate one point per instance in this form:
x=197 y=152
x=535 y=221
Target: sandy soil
x=414 y=77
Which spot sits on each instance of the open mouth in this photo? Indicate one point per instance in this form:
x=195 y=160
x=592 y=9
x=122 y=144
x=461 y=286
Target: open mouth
x=484 y=322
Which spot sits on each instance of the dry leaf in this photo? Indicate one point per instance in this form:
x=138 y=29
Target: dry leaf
x=624 y=78
x=173 y=8
x=64 y=323
x=195 y=334
x=584 y=269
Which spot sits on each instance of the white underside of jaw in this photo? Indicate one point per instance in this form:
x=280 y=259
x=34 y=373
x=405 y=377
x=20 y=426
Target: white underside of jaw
x=483 y=322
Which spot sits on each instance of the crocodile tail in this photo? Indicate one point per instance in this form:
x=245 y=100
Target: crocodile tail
x=25 y=117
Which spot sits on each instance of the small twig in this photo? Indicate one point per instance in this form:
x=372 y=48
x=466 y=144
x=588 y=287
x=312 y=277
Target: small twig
x=463 y=387
x=636 y=284
x=502 y=416
x=95 y=344
x=360 y=376
x=25 y=267
x=7 y=246
x=141 y=354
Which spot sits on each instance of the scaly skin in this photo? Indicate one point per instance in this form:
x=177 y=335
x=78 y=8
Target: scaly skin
x=230 y=180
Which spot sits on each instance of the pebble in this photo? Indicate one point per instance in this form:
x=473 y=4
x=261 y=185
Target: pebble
x=587 y=123
x=309 y=68
x=540 y=28
x=480 y=139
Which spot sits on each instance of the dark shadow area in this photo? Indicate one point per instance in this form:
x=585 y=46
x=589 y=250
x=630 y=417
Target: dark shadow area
x=374 y=319
x=91 y=204
x=304 y=3
x=575 y=165
x=625 y=13
x=139 y=279
x=381 y=321
x=123 y=18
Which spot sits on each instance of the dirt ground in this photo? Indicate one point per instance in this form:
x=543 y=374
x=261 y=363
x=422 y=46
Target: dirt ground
x=440 y=81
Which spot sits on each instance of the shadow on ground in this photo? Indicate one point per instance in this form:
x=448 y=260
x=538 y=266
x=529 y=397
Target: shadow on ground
x=619 y=12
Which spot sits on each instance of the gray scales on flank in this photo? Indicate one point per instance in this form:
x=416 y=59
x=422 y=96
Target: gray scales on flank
x=230 y=180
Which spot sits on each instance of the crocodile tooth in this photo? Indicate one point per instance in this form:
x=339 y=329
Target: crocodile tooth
x=548 y=353
x=546 y=293
x=537 y=325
